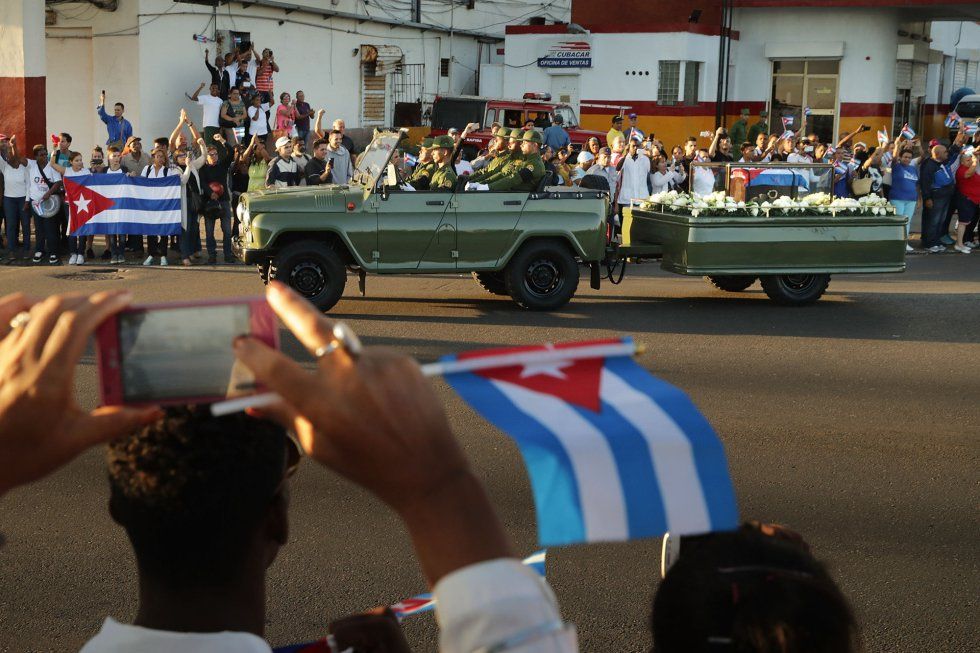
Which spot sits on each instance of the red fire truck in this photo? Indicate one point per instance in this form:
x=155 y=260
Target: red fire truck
x=459 y=111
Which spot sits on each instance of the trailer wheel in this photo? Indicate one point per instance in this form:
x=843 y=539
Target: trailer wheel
x=795 y=289
x=314 y=270
x=492 y=282
x=731 y=282
x=542 y=275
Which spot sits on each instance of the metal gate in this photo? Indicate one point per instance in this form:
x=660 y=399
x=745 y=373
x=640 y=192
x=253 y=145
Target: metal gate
x=407 y=93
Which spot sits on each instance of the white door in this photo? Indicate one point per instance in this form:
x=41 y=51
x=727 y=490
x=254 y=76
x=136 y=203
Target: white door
x=564 y=88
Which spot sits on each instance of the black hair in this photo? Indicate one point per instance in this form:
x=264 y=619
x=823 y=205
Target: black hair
x=336 y=131
x=121 y=105
x=190 y=488
x=320 y=141
x=750 y=592
x=162 y=141
x=65 y=136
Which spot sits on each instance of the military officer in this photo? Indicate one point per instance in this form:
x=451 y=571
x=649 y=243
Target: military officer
x=420 y=177
x=514 y=156
x=526 y=173
x=504 y=154
x=443 y=176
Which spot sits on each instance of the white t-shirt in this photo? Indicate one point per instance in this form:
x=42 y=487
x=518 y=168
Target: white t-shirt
x=212 y=109
x=69 y=172
x=258 y=125
x=38 y=187
x=14 y=180
x=153 y=173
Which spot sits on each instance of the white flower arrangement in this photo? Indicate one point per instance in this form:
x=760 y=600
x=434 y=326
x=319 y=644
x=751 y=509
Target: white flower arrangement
x=718 y=203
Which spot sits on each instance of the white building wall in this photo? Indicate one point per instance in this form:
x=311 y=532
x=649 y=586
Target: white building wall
x=144 y=55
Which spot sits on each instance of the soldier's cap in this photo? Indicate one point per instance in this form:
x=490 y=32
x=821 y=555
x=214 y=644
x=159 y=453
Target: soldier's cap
x=515 y=134
x=426 y=143
x=532 y=136
x=443 y=142
x=502 y=132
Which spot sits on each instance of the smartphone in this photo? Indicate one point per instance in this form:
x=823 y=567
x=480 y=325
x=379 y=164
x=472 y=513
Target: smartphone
x=180 y=353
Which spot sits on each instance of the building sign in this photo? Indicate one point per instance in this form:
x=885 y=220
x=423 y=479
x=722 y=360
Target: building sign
x=567 y=54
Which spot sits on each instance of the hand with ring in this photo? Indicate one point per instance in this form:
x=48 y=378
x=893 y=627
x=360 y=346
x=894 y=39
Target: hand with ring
x=372 y=417
x=41 y=425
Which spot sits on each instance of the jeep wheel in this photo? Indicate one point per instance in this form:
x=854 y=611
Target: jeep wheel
x=795 y=289
x=542 y=275
x=312 y=269
x=732 y=282
x=492 y=282
x=263 y=269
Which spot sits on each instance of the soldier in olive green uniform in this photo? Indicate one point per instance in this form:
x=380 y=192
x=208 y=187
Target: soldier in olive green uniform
x=420 y=177
x=444 y=176
x=503 y=156
x=525 y=173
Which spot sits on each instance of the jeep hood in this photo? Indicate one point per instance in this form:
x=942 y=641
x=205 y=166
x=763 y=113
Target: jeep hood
x=306 y=199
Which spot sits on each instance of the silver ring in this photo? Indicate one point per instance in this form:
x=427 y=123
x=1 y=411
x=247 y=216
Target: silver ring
x=20 y=320
x=343 y=338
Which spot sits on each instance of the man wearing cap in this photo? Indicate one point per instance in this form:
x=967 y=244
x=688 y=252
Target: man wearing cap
x=523 y=174
x=443 y=175
x=738 y=132
x=633 y=132
x=134 y=159
x=513 y=158
x=555 y=136
x=283 y=171
x=759 y=127
x=501 y=158
x=420 y=177
x=615 y=131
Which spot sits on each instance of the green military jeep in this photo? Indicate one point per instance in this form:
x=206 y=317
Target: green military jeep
x=528 y=245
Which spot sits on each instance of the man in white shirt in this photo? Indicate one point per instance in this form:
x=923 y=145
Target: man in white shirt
x=212 y=109
x=43 y=182
x=204 y=502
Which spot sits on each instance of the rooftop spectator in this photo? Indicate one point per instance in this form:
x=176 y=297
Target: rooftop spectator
x=118 y=127
x=265 y=69
x=212 y=106
x=220 y=75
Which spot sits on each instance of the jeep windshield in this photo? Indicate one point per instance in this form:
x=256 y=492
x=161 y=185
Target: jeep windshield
x=374 y=159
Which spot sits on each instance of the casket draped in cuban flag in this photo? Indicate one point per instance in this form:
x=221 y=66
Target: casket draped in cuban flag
x=120 y=204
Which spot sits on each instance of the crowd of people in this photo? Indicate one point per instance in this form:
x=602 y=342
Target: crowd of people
x=204 y=503
x=244 y=141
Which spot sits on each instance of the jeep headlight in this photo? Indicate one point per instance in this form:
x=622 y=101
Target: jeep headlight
x=243 y=216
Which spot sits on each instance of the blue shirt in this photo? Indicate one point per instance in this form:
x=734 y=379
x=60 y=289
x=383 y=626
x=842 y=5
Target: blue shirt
x=119 y=130
x=840 y=187
x=556 y=137
x=905 y=182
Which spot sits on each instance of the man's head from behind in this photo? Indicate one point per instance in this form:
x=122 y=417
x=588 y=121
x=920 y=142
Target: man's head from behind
x=203 y=499
x=756 y=589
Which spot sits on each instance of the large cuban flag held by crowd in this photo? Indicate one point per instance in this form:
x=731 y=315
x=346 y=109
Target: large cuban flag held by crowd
x=120 y=204
x=612 y=452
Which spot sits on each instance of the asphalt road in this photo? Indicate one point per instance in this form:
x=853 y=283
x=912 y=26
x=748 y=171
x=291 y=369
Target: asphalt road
x=853 y=421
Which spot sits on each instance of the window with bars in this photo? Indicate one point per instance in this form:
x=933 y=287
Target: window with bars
x=959 y=75
x=692 y=80
x=668 y=82
x=444 y=67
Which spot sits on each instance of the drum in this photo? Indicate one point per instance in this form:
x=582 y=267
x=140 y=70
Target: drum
x=49 y=207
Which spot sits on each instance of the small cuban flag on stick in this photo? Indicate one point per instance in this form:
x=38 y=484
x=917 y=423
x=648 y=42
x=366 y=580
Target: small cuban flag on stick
x=612 y=452
x=971 y=129
x=807 y=111
x=787 y=122
x=907 y=132
x=952 y=120
x=882 y=137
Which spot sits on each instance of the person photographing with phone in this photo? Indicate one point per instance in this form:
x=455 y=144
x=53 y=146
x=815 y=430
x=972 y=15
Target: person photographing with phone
x=320 y=168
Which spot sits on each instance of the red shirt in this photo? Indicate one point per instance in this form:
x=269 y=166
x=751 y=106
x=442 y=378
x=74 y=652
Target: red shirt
x=263 y=78
x=968 y=186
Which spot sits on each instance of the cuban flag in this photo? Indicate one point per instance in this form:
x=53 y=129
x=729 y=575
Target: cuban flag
x=807 y=111
x=971 y=128
x=426 y=603
x=773 y=177
x=952 y=120
x=612 y=452
x=907 y=132
x=120 y=204
x=787 y=122
x=883 y=137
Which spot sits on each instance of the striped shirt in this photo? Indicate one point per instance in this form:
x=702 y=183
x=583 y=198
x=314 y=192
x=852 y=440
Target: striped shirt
x=263 y=79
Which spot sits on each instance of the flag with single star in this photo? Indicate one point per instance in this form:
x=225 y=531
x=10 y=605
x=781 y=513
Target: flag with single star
x=612 y=452
x=120 y=204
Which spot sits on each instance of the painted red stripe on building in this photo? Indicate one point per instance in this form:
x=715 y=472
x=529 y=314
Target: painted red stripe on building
x=634 y=27
x=859 y=109
x=652 y=108
x=821 y=4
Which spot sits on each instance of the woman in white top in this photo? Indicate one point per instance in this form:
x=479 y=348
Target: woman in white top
x=76 y=244
x=15 y=181
x=44 y=182
x=258 y=118
x=665 y=177
x=159 y=167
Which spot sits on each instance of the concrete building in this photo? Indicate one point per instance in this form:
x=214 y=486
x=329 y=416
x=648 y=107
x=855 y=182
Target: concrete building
x=374 y=62
x=879 y=62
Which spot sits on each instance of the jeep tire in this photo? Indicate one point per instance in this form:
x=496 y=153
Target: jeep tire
x=313 y=269
x=542 y=275
x=795 y=289
x=731 y=282
x=492 y=282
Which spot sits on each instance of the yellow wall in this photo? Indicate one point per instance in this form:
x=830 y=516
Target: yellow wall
x=670 y=130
